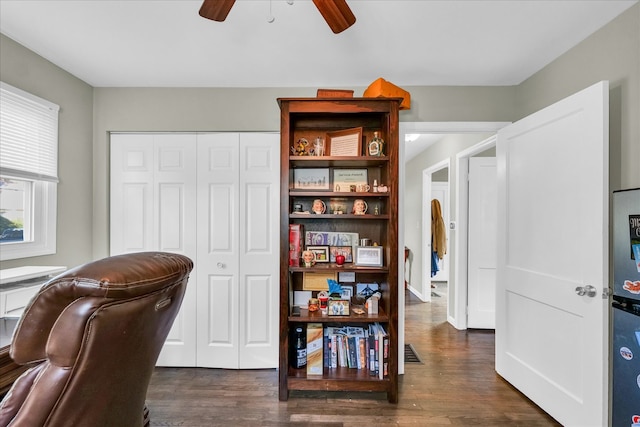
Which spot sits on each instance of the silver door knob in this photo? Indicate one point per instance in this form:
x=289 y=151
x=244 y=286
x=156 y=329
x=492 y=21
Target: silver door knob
x=220 y=265
x=588 y=290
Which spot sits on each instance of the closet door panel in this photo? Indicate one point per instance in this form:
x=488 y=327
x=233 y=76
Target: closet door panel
x=221 y=219
x=258 y=236
x=171 y=223
x=153 y=181
x=218 y=253
x=175 y=222
x=259 y=248
x=131 y=193
x=257 y=332
x=134 y=229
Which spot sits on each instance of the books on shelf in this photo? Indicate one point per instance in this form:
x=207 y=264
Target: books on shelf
x=314 y=349
x=356 y=347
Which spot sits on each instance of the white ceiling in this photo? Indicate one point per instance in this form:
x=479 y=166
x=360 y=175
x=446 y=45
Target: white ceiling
x=148 y=43
x=423 y=141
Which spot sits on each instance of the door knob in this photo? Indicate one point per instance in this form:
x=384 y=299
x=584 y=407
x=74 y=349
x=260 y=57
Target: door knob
x=588 y=290
x=220 y=265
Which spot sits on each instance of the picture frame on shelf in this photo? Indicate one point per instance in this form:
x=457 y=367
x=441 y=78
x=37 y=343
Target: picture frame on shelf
x=345 y=143
x=346 y=251
x=311 y=179
x=369 y=256
x=330 y=238
x=344 y=180
x=321 y=252
x=338 y=205
x=347 y=292
x=338 y=307
x=365 y=290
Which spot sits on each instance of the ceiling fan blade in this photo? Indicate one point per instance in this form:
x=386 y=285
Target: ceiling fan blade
x=216 y=10
x=337 y=14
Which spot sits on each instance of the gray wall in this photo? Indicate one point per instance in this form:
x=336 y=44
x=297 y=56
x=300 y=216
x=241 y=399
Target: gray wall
x=24 y=69
x=87 y=115
x=251 y=109
x=612 y=53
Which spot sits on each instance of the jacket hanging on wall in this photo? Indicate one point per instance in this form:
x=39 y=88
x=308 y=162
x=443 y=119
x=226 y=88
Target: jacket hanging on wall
x=434 y=264
x=438 y=232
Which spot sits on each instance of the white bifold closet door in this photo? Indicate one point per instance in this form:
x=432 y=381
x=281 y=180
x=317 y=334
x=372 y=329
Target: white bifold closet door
x=214 y=198
x=153 y=208
x=238 y=250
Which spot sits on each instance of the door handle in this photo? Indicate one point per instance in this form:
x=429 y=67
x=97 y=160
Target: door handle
x=588 y=290
x=220 y=265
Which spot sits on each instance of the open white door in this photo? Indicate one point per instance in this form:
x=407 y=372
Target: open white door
x=481 y=246
x=551 y=342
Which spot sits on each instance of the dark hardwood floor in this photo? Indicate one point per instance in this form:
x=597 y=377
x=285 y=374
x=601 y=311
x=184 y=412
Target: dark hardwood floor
x=455 y=385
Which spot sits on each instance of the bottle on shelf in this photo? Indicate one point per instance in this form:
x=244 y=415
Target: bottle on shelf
x=299 y=349
x=376 y=145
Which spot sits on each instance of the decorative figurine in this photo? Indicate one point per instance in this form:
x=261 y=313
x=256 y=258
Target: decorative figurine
x=309 y=258
x=318 y=147
x=318 y=207
x=300 y=147
x=359 y=207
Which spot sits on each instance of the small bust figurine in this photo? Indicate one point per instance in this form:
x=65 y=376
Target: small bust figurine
x=359 y=207
x=308 y=258
x=318 y=207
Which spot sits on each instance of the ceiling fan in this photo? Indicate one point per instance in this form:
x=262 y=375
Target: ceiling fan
x=336 y=12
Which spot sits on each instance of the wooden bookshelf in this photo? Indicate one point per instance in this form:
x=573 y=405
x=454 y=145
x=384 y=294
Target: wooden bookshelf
x=307 y=119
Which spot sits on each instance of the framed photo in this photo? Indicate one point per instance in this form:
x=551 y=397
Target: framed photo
x=366 y=289
x=345 y=142
x=346 y=179
x=370 y=256
x=347 y=251
x=321 y=253
x=338 y=307
x=317 y=281
x=338 y=205
x=347 y=292
x=329 y=238
x=311 y=179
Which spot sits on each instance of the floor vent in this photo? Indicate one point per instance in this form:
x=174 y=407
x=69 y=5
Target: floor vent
x=410 y=355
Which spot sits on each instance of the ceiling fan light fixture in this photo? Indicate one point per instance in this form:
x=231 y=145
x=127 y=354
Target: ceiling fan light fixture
x=336 y=12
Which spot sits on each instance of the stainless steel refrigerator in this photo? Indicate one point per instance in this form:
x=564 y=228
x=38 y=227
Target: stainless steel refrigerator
x=625 y=355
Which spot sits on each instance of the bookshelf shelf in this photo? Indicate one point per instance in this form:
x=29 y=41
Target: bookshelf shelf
x=307 y=119
x=319 y=267
x=317 y=317
x=337 y=374
x=343 y=217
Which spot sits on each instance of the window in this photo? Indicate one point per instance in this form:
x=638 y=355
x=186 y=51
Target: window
x=28 y=174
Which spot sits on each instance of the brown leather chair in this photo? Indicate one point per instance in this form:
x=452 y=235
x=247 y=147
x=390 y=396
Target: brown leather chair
x=93 y=336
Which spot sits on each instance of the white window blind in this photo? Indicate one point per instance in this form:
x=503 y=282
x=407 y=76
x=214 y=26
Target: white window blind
x=28 y=135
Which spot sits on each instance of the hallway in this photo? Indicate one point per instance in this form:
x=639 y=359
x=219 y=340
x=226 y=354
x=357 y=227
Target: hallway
x=455 y=385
